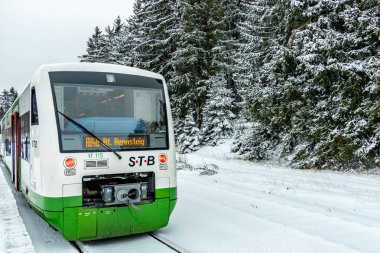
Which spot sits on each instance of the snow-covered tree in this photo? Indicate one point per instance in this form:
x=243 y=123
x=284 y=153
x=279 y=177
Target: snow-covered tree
x=188 y=135
x=117 y=43
x=155 y=27
x=7 y=97
x=203 y=62
x=301 y=78
x=338 y=64
x=262 y=74
x=112 y=46
x=218 y=112
x=96 y=48
x=313 y=98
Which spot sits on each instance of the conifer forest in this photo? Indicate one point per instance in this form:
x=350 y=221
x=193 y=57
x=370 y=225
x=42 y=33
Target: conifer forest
x=288 y=80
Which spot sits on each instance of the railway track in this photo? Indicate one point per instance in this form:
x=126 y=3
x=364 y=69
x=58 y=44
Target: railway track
x=168 y=243
x=76 y=245
x=137 y=243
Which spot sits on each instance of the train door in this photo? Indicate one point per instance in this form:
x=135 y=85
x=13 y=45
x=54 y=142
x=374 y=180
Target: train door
x=16 y=150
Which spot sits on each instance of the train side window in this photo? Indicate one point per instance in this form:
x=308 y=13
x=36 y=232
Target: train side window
x=25 y=136
x=8 y=145
x=34 y=111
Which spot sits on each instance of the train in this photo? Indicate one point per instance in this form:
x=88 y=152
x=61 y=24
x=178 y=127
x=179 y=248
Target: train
x=91 y=148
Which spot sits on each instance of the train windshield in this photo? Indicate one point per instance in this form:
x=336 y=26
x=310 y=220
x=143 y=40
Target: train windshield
x=126 y=112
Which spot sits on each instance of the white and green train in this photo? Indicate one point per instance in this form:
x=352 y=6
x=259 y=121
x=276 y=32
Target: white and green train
x=91 y=147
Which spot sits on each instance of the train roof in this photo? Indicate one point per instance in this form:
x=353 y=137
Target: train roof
x=93 y=67
x=87 y=67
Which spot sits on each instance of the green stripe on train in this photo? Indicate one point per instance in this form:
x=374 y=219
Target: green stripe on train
x=57 y=203
x=78 y=223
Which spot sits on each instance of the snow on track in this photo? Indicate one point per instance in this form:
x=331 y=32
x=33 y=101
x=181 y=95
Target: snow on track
x=142 y=243
x=13 y=235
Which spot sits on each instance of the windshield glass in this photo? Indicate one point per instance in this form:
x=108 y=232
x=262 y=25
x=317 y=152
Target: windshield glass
x=124 y=111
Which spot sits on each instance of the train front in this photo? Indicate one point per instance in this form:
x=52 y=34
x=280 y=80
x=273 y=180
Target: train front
x=117 y=153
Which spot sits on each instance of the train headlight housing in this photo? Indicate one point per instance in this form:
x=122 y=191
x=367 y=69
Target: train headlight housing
x=108 y=193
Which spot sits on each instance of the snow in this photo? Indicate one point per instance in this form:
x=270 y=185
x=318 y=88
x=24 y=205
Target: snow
x=13 y=235
x=44 y=238
x=136 y=243
x=250 y=207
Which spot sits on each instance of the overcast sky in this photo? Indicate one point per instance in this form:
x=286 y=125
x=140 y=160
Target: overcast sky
x=35 y=32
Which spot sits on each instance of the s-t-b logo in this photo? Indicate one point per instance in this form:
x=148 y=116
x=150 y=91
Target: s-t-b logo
x=141 y=160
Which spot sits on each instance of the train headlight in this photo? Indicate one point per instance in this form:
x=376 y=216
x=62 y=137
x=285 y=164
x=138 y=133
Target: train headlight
x=108 y=194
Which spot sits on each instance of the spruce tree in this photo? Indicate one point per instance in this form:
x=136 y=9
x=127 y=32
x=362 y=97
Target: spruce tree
x=192 y=63
x=338 y=58
x=313 y=98
x=188 y=138
x=302 y=74
x=96 y=48
x=117 y=44
x=154 y=31
x=218 y=112
x=203 y=64
x=7 y=97
x=263 y=75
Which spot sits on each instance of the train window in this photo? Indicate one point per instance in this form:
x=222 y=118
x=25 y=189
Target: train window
x=3 y=135
x=129 y=113
x=25 y=139
x=34 y=111
x=7 y=134
x=8 y=144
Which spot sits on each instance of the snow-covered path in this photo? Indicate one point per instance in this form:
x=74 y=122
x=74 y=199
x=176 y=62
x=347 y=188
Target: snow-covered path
x=13 y=234
x=250 y=207
x=44 y=238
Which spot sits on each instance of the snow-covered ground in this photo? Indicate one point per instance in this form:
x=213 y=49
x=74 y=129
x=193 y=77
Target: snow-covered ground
x=13 y=234
x=250 y=207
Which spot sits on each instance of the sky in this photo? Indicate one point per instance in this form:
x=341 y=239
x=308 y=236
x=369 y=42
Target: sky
x=35 y=32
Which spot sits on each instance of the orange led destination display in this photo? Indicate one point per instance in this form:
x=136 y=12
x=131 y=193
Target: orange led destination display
x=128 y=141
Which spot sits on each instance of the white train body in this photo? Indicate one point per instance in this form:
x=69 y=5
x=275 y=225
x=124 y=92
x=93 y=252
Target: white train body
x=64 y=172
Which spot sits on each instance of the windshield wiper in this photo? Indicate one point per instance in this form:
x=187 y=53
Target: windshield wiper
x=89 y=133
